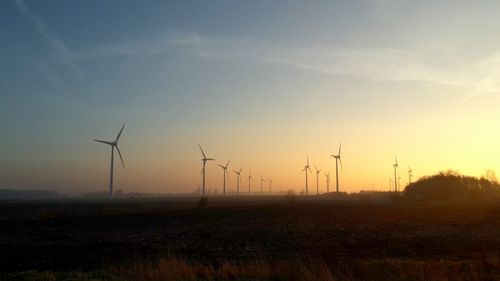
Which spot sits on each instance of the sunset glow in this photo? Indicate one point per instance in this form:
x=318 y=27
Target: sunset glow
x=260 y=83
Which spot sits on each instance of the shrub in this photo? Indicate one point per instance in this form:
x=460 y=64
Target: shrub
x=290 y=197
x=203 y=202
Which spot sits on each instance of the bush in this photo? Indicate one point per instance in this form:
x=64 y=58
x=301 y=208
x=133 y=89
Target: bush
x=203 y=202
x=290 y=196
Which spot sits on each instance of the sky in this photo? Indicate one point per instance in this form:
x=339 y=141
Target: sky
x=262 y=83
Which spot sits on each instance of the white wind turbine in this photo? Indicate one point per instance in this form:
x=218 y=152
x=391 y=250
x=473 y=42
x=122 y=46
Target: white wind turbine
x=410 y=174
x=224 y=174
x=317 y=179
x=238 y=174
x=261 y=181
x=205 y=159
x=337 y=160
x=395 y=165
x=250 y=178
x=327 y=175
x=306 y=168
x=113 y=144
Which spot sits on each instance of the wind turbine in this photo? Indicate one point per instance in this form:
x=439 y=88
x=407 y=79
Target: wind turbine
x=410 y=174
x=317 y=179
x=261 y=181
x=306 y=167
x=249 y=181
x=395 y=165
x=113 y=144
x=337 y=160
x=225 y=173
x=205 y=159
x=238 y=174
x=327 y=175
x=270 y=185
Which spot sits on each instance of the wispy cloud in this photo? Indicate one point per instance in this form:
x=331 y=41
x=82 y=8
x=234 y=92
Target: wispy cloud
x=61 y=54
x=52 y=76
x=377 y=64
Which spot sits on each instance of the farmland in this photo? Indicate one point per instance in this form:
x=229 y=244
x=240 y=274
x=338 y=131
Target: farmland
x=78 y=235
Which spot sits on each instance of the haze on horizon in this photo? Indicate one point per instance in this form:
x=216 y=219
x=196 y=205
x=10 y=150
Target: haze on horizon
x=263 y=83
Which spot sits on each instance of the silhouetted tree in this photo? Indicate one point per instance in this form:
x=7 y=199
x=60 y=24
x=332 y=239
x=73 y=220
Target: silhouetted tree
x=450 y=185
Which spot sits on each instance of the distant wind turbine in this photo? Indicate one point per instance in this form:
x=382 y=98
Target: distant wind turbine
x=113 y=144
x=410 y=174
x=395 y=165
x=249 y=181
x=205 y=159
x=306 y=168
x=317 y=179
x=337 y=160
x=261 y=181
x=327 y=175
x=238 y=174
x=224 y=168
x=270 y=185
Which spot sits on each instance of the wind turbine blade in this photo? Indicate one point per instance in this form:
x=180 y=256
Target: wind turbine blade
x=340 y=147
x=396 y=158
x=105 y=142
x=227 y=164
x=342 y=167
x=210 y=159
x=120 y=133
x=240 y=169
x=221 y=166
x=202 y=152
x=307 y=159
x=120 y=154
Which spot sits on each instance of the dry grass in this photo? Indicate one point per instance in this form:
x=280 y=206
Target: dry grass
x=390 y=269
x=176 y=269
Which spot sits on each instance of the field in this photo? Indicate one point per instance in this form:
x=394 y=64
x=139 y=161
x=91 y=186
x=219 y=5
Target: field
x=233 y=237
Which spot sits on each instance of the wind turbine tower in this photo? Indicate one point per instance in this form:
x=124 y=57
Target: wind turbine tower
x=270 y=185
x=396 y=166
x=337 y=160
x=317 y=179
x=410 y=174
x=224 y=168
x=205 y=159
x=306 y=168
x=238 y=174
x=113 y=144
x=327 y=175
x=249 y=181
x=261 y=181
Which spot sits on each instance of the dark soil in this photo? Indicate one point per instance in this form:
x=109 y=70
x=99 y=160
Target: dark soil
x=88 y=235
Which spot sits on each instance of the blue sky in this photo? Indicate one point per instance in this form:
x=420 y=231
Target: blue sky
x=260 y=82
